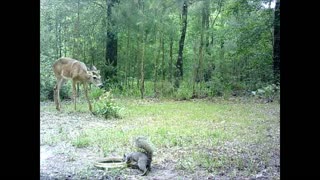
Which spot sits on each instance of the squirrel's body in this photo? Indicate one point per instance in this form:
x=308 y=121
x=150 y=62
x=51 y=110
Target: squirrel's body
x=141 y=160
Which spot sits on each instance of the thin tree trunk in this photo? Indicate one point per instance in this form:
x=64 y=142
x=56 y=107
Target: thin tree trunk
x=171 y=61
x=65 y=40
x=206 y=15
x=84 y=52
x=179 y=64
x=162 y=64
x=127 y=63
x=203 y=24
x=214 y=20
x=195 y=74
x=57 y=38
x=60 y=41
x=76 y=34
x=142 y=66
x=156 y=67
x=136 y=60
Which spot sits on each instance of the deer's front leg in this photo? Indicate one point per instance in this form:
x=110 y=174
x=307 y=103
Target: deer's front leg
x=85 y=87
x=74 y=93
x=55 y=96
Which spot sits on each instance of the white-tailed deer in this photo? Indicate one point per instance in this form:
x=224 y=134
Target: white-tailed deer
x=67 y=68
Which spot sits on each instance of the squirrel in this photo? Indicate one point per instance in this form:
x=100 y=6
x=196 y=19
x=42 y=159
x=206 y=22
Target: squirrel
x=140 y=160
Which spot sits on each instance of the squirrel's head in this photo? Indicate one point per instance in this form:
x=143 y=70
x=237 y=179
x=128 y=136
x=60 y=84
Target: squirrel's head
x=126 y=158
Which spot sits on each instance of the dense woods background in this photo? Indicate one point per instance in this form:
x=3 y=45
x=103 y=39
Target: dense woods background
x=170 y=48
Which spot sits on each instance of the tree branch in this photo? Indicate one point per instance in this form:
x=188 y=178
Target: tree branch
x=94 y=2
x=220 y=7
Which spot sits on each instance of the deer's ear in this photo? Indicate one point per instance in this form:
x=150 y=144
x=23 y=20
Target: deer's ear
x=89 y=73
x=93 y=68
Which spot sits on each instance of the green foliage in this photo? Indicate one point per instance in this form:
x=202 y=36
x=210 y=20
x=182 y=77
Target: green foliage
x=95 y=92
x=81 y=141
x=270 y=92
x=184 y=92
x=106 y=106
x=167 y=90
x=236 y=45
x=216 y=86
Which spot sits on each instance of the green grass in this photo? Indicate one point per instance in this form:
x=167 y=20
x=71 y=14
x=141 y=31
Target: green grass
x=212 y=135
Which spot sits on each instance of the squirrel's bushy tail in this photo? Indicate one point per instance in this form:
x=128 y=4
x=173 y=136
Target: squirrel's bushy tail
x=142 y=142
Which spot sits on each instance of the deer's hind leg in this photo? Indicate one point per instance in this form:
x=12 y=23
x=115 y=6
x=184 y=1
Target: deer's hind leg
x=74 y=93
x=56 y=92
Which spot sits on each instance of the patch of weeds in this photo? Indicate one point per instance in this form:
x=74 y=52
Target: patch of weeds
x=189 y=160
x=81 y=141
x=106 y=106
x=221 y=161
x=95 y=93
x=206 y=161
x=186 y=163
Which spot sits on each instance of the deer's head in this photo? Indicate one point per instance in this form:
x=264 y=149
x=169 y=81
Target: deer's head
x=94 y=77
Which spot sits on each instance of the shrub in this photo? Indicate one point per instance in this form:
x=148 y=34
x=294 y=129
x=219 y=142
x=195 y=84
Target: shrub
x=106 y=106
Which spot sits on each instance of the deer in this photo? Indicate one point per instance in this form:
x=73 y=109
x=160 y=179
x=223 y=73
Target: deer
x=71 y=69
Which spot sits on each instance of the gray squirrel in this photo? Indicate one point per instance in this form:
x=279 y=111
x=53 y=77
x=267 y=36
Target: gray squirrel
x=140 y=160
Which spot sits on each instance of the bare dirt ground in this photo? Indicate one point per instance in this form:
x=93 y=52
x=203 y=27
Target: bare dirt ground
x=64 y=161
x=59 y=159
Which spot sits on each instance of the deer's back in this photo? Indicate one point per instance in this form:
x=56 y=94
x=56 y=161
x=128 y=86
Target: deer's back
x=69 y=68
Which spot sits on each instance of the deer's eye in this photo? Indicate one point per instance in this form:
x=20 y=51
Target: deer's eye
x=94 y=77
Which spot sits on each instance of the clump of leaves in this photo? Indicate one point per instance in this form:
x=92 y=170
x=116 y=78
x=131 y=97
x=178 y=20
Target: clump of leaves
x=106 y=106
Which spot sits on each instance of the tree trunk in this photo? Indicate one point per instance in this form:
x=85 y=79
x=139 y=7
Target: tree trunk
x=112 y=41
x=194 y=72
x=276 y=45
x=142 y=66
x=65 y=40
x=171 y=61
x=214 y=20
x=156 y=67
x=127 y=63
x=179 y=64
x=75 y=51
x=205 y=16
x=162 y=64
x=199 y=70
x=60 y=41
x=137 y=63
x=56 y=37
